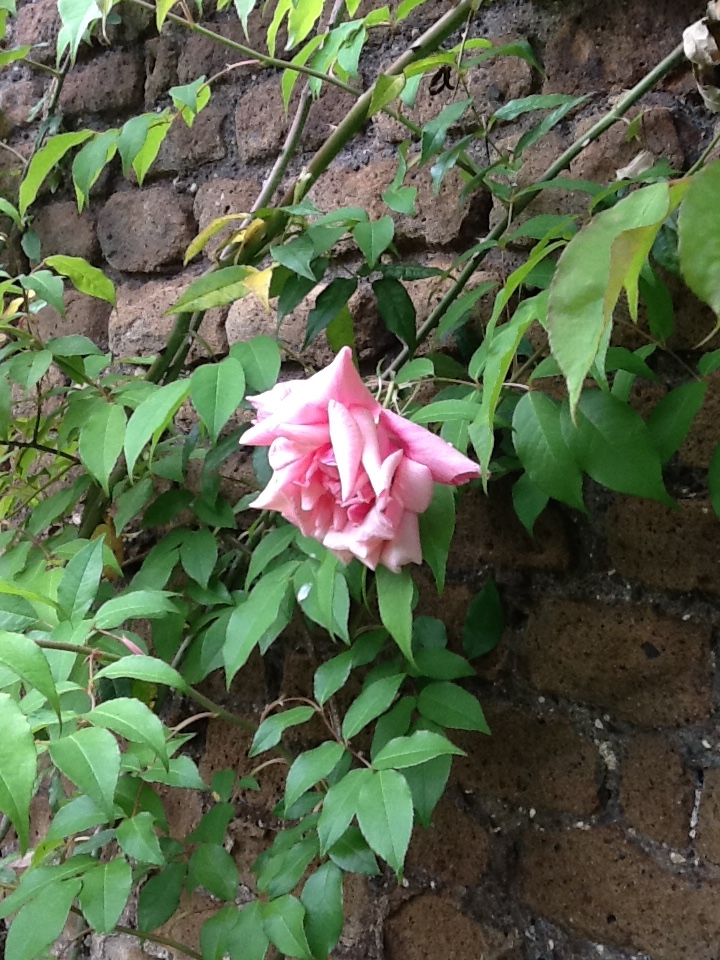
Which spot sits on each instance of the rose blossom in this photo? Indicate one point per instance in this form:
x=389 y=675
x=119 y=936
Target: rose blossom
x=348 y=472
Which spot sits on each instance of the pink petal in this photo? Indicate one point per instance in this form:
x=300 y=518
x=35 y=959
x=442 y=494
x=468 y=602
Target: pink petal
x=405 y=546
x=413 y=485
x=371 y=459
x=347 y=443
x=445 y=463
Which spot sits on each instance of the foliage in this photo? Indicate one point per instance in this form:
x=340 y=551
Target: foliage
x=128 y=574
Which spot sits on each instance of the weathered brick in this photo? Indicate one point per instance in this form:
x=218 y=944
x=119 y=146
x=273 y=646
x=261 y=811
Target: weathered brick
x=325 y=114
x=141 y=231
x=17 y=100
x=601 y=160
x=139 y=326
x=424 y=928
x=488 y=531
x=161 y=60
x=704 y=434
x=657 y=793
x=534 y=762
x=653 y=544
x=187 y=148
x=63 y=230
x=260 y=121
x=218 y=198
x=440 y=219
x=454 y=850
x=596 y=884
x=112 y=82
x=708 y=828
x=641 y=667
x=203 y=55
x=38 y=24
x=84 y=315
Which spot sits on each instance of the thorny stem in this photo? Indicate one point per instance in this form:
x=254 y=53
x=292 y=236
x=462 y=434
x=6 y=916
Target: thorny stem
x=528 y=195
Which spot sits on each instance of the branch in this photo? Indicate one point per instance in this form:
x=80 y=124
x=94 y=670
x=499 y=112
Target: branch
x=528 y=195
x=41 y=447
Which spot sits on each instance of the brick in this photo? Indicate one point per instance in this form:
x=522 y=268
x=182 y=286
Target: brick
x=187 y=148
x=708 y=828
x=84 y=315
x=17 y=100
x=110 y=83
x=440 y=220
x=423 y=928
x=220 y=197
x=325 y=114
x=139 y=326
x=596 y=884
x=657 y=793
x=694 y=320
x=141 y=231
x=63 y=230
x=653 y=544
x=704 y=434
x=260 y=122
x=601 y=160
x=202 y=55
x=161 y=60
x=38 y=24
x=530 y=761
x=638 y=665
x=454 y=850
x=585 y=52
x=487 y=531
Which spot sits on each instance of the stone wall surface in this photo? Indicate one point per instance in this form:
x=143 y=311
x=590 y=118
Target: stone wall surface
x=588 y=825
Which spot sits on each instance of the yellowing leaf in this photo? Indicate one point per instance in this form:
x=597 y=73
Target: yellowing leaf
x=210 y=230
x=258 y=282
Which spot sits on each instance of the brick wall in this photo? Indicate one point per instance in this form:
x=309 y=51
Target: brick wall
x=589 y=824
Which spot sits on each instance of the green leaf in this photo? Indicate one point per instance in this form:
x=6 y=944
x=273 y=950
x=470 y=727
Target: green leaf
x=80 y=580
x=297 y=255
x=244 y=8
x=47 y=287
x=385 y=815
x=133 y=720
x=613 y=445
x=215 y=289
x=152 y=604
x=386 y=89
x=419 y=747
x=395 y=723
x=104 y=894
x=101 y=441
x=261 y=360
x=331 y=676
x=608 y=253
x=395 y=592
x=374 y=237
x=89 y=163
x=152 y=417
x=352 y=854
x=673 y=415
x=213 y=825
x=302 y=17
x=24 y=658
x=446 y=410
x=270 y=731
x=485 y=621
x=198 y=555
x=542 y=450
x=85 y=278
x=191 y=98
x=427 y=784
x=212 y=867
x=309 y=768
x=73 y=345
x=699 y=236
x=40 y=922
x=529 y=501
x=162 y=9
x=322 y=897
x=435 y=132
x=148 y=669
x=252 y=619
x=375 y=699
x=271 y=546
x=417 y=369
x=437 y=526
x=283 y=921
x=43 y=162
x=91 y=759
x=328 y=305
x=82 y=813
x=339 y=807
x=216 y=390
x=451 y=706
x=138 y=839
x=160 y=897
x=516 y=108
x=18 y=767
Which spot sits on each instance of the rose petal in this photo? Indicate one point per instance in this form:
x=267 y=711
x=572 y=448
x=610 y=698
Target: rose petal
x=405 y=546
x=347 y=444
x=413 y=485
x=445 y=463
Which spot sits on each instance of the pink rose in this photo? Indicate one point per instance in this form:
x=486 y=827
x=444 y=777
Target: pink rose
x=348 y=472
